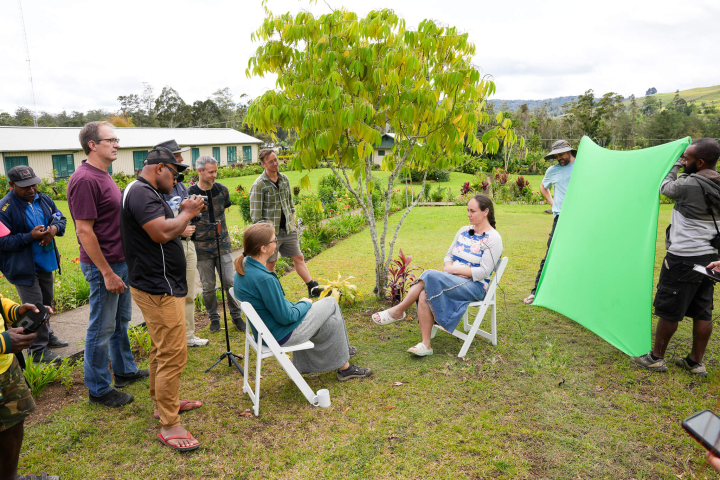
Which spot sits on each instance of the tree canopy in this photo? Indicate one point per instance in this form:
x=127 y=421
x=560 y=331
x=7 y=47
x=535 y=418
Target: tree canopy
x=343 y=81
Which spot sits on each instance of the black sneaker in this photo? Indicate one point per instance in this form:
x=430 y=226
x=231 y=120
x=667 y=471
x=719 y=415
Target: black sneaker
x=55 y=342
x=313 y=289
x=240 y=325
x=214 y=325
x=112 y=399
x=46 y=356
x=125 y=380
x=353 y=372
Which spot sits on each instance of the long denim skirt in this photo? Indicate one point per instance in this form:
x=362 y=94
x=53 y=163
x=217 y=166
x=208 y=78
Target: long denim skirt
x=449 y=296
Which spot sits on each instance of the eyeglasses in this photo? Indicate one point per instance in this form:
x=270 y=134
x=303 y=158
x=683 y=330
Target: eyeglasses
x=272 y=241
x=175 y=173
x=111 y=140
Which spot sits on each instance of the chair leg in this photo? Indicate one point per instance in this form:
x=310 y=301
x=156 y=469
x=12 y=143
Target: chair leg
x=258 y=354
x=246 y=362
x=465 y=320
x=493 y=323
x=433 y=332
x=473 y=330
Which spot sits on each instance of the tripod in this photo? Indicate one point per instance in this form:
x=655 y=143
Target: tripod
x=231 y=357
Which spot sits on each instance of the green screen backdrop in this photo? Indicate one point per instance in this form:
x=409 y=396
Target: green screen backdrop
x=599 y=269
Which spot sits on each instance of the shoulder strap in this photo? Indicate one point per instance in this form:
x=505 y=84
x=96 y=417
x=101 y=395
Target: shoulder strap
x=708 y=205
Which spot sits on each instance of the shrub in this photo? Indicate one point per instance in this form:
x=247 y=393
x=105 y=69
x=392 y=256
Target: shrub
x=474 y=167
x=439 y=194
x=341 y=290
x=4 y=186
x=432 y=174
x=140 y=340
x=39 y=375
x=401 y=275
x=296 y=191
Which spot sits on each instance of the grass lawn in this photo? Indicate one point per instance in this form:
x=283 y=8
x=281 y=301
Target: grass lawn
x=551 y=400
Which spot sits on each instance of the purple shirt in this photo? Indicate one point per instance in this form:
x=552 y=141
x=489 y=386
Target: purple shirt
x=93 y=195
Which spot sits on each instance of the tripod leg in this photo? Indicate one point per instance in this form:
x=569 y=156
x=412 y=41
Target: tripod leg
x=235 y=362
x=219 y=360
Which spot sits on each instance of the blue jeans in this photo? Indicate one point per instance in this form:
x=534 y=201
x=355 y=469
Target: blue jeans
x=107 y=337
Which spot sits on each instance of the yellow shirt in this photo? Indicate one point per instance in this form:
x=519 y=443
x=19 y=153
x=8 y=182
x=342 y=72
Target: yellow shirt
x=10 y=310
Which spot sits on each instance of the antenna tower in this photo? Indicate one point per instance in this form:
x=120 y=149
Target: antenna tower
x=27 y=57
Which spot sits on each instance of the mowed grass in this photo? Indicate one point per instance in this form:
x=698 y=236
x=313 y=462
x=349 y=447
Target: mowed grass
x=551 y=400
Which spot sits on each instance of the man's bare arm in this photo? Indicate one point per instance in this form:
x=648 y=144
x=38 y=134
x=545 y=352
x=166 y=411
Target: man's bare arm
x=162 y=230
x=546 y=194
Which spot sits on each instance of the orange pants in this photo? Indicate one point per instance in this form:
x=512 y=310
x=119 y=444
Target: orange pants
x=165 y=320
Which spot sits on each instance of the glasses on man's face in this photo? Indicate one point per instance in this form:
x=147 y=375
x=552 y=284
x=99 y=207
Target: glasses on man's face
x=114 y=141
x=175 y=173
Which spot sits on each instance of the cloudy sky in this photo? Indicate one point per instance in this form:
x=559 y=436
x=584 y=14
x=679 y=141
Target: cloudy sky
x=84 y=54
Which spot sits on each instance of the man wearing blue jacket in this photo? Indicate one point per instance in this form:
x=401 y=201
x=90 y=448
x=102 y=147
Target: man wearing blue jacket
x=28 y=255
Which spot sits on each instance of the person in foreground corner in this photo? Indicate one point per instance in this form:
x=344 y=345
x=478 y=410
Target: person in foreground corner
x=293 y=323
x=443 y=297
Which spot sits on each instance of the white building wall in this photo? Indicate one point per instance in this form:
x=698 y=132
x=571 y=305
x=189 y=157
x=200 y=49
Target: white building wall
x=42 y=164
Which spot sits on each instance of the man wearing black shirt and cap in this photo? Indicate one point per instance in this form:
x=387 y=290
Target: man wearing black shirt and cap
x=174 y=198
x=156 y=270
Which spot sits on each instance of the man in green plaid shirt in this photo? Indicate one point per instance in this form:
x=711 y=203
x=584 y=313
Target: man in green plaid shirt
x=271 y=202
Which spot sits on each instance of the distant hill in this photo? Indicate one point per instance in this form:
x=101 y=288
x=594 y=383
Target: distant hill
x=555 y=105
x=699 y=95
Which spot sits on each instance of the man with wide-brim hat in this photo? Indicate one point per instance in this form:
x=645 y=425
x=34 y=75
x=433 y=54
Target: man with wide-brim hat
x=178 y=194
x=559 y=176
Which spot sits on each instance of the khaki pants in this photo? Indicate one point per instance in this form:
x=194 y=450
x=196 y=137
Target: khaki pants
x=190 y=273
x=164 y=317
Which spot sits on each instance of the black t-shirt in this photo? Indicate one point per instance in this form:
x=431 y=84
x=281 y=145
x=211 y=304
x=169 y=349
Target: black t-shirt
x=152 y=267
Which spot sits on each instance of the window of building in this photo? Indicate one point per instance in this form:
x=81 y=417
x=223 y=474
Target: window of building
x=232 y=155
x=247 y=154
x=381 y=153
x=195 y=155
x=139 y=158
x=216 y=154
x=64 y=165
x=11 y=162
x=110 y=169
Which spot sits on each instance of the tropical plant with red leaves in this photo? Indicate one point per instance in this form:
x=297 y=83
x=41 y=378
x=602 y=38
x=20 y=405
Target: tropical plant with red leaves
x=401 y=274
x=465 y=188
x=485 y=186
x=501 y=176
x=521 y=183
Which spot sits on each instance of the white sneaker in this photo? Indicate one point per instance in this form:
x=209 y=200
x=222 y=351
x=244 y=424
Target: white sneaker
x=197 y=342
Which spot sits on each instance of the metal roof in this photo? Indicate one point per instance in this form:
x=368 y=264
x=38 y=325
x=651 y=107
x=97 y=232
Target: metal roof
x=35 y=139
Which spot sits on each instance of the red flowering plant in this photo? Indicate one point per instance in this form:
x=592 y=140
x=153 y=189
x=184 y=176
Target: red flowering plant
x=401 y=276
x=465 y=188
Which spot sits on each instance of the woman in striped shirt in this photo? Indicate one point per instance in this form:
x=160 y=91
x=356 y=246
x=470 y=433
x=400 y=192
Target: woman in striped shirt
x=443 y=296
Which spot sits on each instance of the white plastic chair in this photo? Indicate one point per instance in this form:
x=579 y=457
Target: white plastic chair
x=490 y=301
x=271 y=348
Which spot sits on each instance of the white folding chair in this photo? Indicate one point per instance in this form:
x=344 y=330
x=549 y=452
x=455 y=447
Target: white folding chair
x=271 y=348
x=490 y=301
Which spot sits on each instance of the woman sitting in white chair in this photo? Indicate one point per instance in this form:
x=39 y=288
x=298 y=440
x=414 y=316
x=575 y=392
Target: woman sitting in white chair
x=443 y=297
x=293 y=323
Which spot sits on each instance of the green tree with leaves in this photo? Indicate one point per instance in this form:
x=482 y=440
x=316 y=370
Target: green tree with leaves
x=170 y=108
x=342 y=81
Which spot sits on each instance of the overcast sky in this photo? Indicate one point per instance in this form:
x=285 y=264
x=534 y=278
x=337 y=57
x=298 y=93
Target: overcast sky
x=84 y=54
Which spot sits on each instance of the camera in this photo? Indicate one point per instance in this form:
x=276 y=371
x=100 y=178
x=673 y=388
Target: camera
x=205 y=199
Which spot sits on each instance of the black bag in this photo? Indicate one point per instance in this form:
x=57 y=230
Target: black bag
x=715 y=242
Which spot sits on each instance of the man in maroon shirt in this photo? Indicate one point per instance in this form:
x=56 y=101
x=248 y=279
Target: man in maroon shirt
x=94 y=203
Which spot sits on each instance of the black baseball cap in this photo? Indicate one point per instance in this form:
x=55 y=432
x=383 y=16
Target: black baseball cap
x=164 y=155
x=23 y=176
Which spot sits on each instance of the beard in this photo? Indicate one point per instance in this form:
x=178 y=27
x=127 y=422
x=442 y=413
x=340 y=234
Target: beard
x=690 y=169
